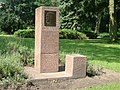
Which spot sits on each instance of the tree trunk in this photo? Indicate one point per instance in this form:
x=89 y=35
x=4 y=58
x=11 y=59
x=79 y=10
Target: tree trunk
x=98 y=21
x=112 y=21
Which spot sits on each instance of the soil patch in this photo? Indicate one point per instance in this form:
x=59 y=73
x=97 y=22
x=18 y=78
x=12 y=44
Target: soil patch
x=66 y=83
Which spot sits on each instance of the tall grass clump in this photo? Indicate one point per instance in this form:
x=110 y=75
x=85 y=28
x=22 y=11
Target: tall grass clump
x=62 y=58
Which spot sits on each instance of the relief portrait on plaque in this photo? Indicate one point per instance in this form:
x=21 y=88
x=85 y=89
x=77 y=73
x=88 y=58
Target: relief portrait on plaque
x=50 y=18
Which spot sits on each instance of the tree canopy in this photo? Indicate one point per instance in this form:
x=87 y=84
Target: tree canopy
x=81 y=15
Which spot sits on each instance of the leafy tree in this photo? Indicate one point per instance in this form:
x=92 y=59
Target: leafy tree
x=19 y=14
x=47 y=2
x=100 y=9
x=73 y=15
x=8 y=22
x=16 y=14
x=112 y=22
x=82 y=14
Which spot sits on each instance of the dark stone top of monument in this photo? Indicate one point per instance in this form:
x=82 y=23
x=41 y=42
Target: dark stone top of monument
x=50 y=18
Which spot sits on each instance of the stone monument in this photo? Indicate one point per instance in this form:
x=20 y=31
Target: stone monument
x=46 y=39
x=47 y=48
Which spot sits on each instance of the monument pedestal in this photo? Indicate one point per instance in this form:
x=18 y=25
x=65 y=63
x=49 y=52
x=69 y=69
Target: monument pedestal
x=75 y=68
x=47 y=49
x=47 y=39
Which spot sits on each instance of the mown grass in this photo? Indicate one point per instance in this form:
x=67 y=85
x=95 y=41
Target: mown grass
x=98 y=52
x=111 y=86
x=5 y=39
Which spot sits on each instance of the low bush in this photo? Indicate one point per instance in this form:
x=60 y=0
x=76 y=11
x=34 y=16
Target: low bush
x=12 y=60
x=104 y=36
x=91 y=34
x=71 y=34
x=94 y=70
x=25 y=33
x=3 y=33
x=11 y=70
x=63 y=34
x=25 y=55
x=118 y=34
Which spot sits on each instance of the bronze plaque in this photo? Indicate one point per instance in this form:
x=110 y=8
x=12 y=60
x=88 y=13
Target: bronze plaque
x=50 y=18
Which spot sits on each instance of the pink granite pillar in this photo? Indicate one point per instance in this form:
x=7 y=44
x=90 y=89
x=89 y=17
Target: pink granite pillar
x=46 y=39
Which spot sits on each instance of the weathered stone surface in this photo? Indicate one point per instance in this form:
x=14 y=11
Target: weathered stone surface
x=37 y=64
x=76 y=65
x=49 y=63
x=50 y=36
x=46 y=40
x=49 y=48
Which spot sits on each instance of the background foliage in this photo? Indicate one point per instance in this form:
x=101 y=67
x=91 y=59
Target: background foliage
x=81 y=15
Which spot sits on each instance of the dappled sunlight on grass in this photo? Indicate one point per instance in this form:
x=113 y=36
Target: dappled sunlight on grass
x=96 y=51
x=108 y=65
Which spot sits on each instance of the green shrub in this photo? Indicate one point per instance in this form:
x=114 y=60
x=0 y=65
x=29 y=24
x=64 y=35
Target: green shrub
x=25 y=33
x=64 y=34
x=11 y=48
x=12 y=60
x=3 y=33
x=71 y=34
x=118 y=32
x=93 y=70
x=11 y=70
x=104 y=35
x=25 y=55
x=91 y=34
x=8 y=21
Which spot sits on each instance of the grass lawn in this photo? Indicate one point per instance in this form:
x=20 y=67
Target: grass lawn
x=113 y=86
x=98 y=52
x=4 y=40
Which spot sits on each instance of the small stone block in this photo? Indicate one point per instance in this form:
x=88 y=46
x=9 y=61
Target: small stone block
x=76 y=65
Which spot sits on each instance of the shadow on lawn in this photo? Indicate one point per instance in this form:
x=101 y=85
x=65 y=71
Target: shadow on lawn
x=93 y=49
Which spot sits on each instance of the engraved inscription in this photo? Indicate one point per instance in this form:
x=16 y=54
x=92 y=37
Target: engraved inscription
x=50 y=18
